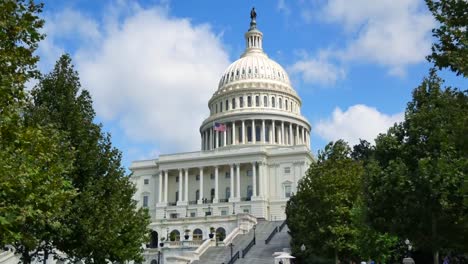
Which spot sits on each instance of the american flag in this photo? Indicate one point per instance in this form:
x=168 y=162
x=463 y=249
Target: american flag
x=219 y=127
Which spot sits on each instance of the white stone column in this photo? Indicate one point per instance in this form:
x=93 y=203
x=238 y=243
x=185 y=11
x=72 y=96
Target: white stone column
x=201 y=196
x=243 y=132
x=166 y=176
x=211 y=138
x=217 y=139
x=263 y=134
x=282 y=133
x=290 y=135
x=224 y=137
x=254 y=132
x=254 y=179
x=186 y=186
x=297 y=135
x=233 y=132
x=180 y=187
x=238 y=195
x=302 y=132
x=215 y=200
x=231 y=198
x=273 y=138
x=160 y=186
x=261 y=182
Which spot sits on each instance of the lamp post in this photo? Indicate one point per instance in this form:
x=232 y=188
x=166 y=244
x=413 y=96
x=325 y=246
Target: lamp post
x=209 y=209
x=159 y=256
x=255 y=240
x=231 y=246
x=303 y=247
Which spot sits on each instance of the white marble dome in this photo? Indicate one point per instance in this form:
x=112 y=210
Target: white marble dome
x=254 y=66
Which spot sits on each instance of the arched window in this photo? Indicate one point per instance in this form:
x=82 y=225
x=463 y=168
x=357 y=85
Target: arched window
x=227 y=105
x=197 y=235
x=273 y=102
x=154 y=261
x=265 y=101
x=220 y=234
x=280 y=103
x=241 y=102
x=243 y=71
x=249 y=101
x=216 y=108
x=174 y=235
x=286 y=104
x=233 y=104
x=154 y=239
x=250 y=70
x=291 y=106
x=257 y=100
x=220 y=106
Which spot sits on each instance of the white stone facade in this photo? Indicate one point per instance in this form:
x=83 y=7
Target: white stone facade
x=248 y=166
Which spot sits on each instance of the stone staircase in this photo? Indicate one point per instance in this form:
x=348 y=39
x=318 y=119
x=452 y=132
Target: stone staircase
x=258 y=254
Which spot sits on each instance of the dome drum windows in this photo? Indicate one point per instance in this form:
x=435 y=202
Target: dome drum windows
x=233 y=105
x=265 y=101
x=249 y=101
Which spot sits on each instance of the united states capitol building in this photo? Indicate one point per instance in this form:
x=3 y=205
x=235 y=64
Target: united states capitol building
x=255 y=147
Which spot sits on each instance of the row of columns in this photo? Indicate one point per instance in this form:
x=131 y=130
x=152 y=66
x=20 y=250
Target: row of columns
x=235 y=184
x=210 y=139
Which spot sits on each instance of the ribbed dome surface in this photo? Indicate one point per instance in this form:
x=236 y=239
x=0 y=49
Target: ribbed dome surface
x=254 y=67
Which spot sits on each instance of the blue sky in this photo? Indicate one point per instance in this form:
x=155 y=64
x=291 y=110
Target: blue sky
x=151 y=66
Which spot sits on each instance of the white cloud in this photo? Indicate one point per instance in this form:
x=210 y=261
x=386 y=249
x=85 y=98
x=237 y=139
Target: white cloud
x=318 y=69
x=283 y=7
x=391 y=33
x=150 y=73
x=357 y=122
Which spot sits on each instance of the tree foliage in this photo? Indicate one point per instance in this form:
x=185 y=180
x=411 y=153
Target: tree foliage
x=34 y=160
x=320 y=214
x=104 y=222
x=416 y=186
x=451 y=48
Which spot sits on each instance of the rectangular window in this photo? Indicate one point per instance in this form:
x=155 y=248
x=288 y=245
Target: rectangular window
x=221 y=107
x=193 y=214
x=173 y=215
x=223 y=212
x=227 y=175
x=265 y=101
x=249 y=101
x=197 y=178
x=227 y=105
x=212 y=176
x=249 y=173
x=287 y=169
x=287 y=191
x=145 y=201
x=146 y=181
x=246 y=210
x=241 y=102
x=177 y=179
x=216 y=108
x=233 y=105
x=257 y=101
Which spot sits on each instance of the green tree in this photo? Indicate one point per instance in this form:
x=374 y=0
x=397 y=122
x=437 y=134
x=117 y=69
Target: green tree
x=320 y=214
x=451 y=48
x=104 y=222
x=34 y=160
x=416 y=186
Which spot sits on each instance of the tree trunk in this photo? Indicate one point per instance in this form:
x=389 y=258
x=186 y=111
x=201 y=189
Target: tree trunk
x=26 y=258
x=337 y=261
x=435 y=244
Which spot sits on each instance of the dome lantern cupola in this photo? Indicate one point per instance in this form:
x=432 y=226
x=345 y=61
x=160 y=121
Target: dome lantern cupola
x=253 y=37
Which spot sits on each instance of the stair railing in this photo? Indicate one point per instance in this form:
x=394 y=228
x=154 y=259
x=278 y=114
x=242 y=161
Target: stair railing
x=248 y=247
x=282 y=226
x=234 y=258
x=275 y=230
